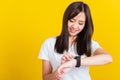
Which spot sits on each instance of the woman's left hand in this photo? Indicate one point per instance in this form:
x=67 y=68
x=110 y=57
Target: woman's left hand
x=67 y=66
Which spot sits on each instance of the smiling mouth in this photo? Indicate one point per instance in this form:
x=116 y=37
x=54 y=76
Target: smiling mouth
x=73 y=31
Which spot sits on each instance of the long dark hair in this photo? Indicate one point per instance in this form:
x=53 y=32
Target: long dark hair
x=83 y=40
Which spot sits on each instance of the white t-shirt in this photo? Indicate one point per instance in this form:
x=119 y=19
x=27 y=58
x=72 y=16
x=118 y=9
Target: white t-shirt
x=47 y=53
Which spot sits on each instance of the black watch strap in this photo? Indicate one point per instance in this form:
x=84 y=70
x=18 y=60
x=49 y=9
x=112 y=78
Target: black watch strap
x=78 y=58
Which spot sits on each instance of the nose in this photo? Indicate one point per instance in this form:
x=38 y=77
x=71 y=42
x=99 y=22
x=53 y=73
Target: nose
x=75 y=25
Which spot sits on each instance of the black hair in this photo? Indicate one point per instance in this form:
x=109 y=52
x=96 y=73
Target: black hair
x=83 y=40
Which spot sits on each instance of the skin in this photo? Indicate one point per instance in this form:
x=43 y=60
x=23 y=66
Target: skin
x=75 y=26
x=100 y=57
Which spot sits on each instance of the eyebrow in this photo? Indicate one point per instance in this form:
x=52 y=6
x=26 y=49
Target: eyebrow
x=79 y=20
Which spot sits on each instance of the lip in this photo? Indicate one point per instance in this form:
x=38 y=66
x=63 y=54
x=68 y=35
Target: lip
x=73 y=31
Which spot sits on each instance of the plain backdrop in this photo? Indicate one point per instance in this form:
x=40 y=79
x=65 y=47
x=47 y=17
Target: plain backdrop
x=25 y=24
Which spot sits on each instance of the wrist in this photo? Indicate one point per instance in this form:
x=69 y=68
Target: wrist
x=78 y=61
x=74 y=62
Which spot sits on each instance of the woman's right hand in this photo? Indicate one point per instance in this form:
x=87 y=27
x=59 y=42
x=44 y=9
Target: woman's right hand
x=66 y=57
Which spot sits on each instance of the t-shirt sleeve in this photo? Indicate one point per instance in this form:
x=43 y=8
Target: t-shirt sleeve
x=43 y=54
x=95 y=45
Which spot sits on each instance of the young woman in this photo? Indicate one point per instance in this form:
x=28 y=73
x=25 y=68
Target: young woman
x=69 y=55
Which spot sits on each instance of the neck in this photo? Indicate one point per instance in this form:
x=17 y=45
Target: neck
x=71 y=40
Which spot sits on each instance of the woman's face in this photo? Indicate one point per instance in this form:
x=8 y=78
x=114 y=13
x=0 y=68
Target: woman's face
x=76 y=24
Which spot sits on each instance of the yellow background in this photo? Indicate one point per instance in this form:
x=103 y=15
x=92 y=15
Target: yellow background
x=25 y=24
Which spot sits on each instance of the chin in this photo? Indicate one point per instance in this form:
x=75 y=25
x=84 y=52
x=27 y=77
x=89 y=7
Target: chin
x=73 y=34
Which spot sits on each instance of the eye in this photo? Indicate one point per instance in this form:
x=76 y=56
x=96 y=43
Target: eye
x=80 y=23
x=71 y=20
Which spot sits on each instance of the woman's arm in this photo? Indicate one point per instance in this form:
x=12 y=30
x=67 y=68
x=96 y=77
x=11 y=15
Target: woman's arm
x=100 y=57
x=47 y=71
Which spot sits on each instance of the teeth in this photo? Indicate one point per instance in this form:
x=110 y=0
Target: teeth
x=73 y=31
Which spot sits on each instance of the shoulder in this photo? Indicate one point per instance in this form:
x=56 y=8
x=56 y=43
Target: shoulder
x=94 y=43
x=94 y=46
x=50 y=41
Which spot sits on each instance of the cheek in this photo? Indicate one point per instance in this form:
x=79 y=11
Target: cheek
x=69 y=24
x=81 y=27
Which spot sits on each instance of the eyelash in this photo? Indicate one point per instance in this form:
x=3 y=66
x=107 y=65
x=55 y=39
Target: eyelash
x=78 y=23
x=71 y=20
